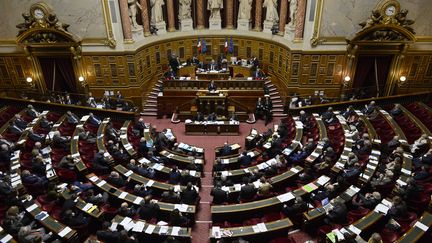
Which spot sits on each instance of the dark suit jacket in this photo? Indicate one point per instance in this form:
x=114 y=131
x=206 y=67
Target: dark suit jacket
x=19 y=122
x=189 y=196
x=245 y=160
x=148 y=211
x=212 y=87
x=338 y=213
x=219 y=195
x=247 y=192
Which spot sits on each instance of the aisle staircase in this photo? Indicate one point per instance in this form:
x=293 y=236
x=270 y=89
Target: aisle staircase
x=150 y=106
x=278 y=106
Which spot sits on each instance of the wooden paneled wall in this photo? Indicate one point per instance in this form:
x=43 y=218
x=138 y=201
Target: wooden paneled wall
x=417 y=68
x=13 y=72
x=300 y=72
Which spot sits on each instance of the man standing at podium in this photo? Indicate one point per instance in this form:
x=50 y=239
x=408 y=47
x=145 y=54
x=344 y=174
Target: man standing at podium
x=212 y=86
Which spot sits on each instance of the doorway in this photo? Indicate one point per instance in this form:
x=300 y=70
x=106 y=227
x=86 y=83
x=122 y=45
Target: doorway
x=58 y=74
x=371 y=75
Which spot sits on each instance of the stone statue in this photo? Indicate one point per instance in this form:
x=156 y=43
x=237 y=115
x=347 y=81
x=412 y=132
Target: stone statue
x=271 y=11
x=156 y=11
x=184 y=9
x=215 y=6
x=245 y=9
x=132 y=7
x=293 y=10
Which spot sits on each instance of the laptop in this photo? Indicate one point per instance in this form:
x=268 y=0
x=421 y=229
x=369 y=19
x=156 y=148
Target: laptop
x=325 y=203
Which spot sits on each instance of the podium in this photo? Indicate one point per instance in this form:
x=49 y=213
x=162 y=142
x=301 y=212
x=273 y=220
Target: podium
x=211 y=101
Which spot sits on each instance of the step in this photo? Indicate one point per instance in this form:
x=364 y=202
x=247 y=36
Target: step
x=156 y=89
x=276 y=97
x=154 y=93
x=150 y=109
x=268 y=82
x=152 y=97
x=152 y=101
x=274 y=93
x=277 y=106
x=160 y=81
x=279 y=115
x=272 y=89
x=277 y=110
x=150 y=105
x=148 y=113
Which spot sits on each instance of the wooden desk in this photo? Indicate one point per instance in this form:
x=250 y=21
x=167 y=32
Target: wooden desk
x=100 y=140
x=130 y=198
x=323 y=134
x=125 y=141
x=416 y=121
x=61 y=230
x=82 y=205
x=373 y=136
x=79 y=165
x=234 y=150
x=180 y=159
x=232 y=160
x=415 y=233
x=165 y=169
x=5 y=237
x=221 y=213
x=216 y=128
x=215 y=75
x=226 y=84
x=248 y=231
x=348 y=144
x=183 y=232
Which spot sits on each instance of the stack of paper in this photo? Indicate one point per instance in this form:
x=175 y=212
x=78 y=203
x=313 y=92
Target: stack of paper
x=285 y=197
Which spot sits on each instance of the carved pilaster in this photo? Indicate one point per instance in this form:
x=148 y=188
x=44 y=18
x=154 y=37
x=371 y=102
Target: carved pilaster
x=258 y=15
x=300 y=19
x=229 y=14
x=126 y=23
x=200 y=14
x=283 y=16
x=145 y=17
x=171 y=21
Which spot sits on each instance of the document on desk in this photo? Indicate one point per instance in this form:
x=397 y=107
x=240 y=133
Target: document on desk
x=87 y=206
x=150 y=229
x=381 y=208
x=175 y=230
x=354 y=229
x=6 y=238
x=138 y=200
x=101 y=183
x=123 y=195
x=32 y=207
x=216 y=232
x=323 y=180
x=420 y=225
x=262 y=227
x=163 y=230
x=285 y=197
x=255 y=229
x=181 y=207
x=64 y=231
x=127 y=174
x=139 y=226
x=125 y=221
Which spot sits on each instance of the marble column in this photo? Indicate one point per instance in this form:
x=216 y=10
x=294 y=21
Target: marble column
x=300 y=19
x=258 y=14
x=145 y=17
x=200 y=14
x=171 y=21
x=126 y=23
x=229 y=14
x=283 y=16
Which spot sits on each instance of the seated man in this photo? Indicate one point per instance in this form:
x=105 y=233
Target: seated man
x=44 y=123
x=14 y=129
x=148 y=209
x=212 y=117
x=247 y=192
x=100 y=163
x=94 y=120
x=212 y=86
x=369 y=200
x=244 y=159
x=32 y=112
x=219 y=196
x=174 y=176
x=115 y=180
x=396 y=111
x=170 y=196
x=189 y=195
x=294 y=207
x=72 y=118
x=225 y=150
x=61 y=141
x=34 y=136
x=337 y=214
x=33 y=180
x=91 y=100
x=19 y=122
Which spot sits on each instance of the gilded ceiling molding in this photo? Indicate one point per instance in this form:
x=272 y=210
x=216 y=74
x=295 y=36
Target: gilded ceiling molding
x=111 y=42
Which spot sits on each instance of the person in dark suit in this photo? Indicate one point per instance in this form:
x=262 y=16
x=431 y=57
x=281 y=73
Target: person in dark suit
x=72 y=219
x=294 y=207
x=14 y=129
x=125 y=210
x=19 y=122
x=337 y=214
x=34 y=136
x=177 y=219
x=38 y=166
x=174 y=176
x=398 y=208
x=32 y=112
x=212 y=117
x=44 y=123
x=111 y=132
x=219 y=196
x=106 y=235
x=225 y=150
x=255 y=62
x=393 y=144
x=148 y=209
x=5 y=155
x=34 y=180
x=94 y=120
x=115 y=179
x=100 y=163
x=212 y=86
x=189 y=195
x=396 y=111
x=142 y=191
x=245 y=160
x=268 y=106
x=174 y=64
x=71 y=118
x=259 y=108
x=170 y=196
x=195 y=60
x=247 y=192
x=257 y=74
x=199 y=117
x=369 y=200
x=213 y=65
x=61 y=141
x=218 y=166
x=422 y=174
